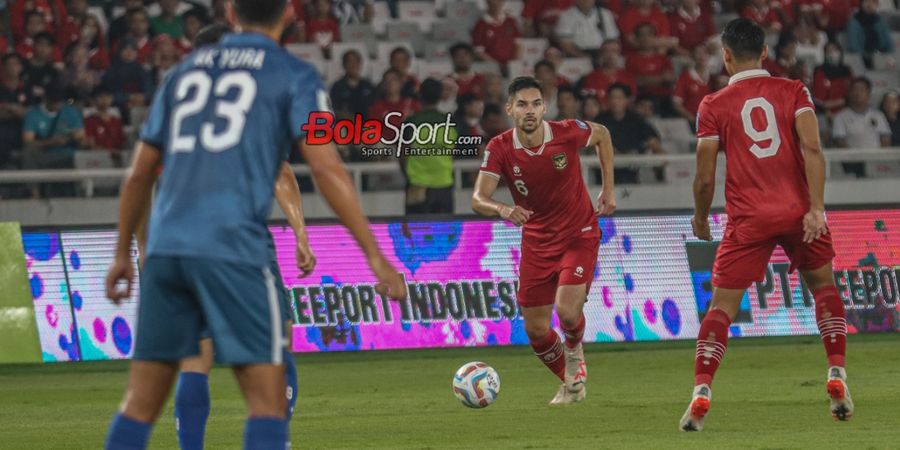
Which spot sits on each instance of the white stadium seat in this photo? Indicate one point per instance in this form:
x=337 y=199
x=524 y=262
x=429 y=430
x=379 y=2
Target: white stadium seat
x=310 y=53
x=532 y=50
x=450 y=33
x=407 y=32
x=360 y=32
x=421 y=13
x=575 y=68
x=435 y=69
x=463 y=13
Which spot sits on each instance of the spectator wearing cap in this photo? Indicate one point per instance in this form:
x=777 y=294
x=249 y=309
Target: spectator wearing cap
x=607 y=70
x=52 y=132
x=652 y=70
x=890 y=107
x=352 y=93
x=646 y=12
x=692 y=85
x=35 y=28
x=583 y=28
x=692 y=25
x=467 y=81
x=540 y=16
x=168 y=21
x=859 y=125
x=50 y=11
x=400 y=60
x=868 y=33
x=430 y=177
x=321 y=27
x=494 y=35
x=41 y=73
x=103 y=127
x=831 y=80
x=13 y=97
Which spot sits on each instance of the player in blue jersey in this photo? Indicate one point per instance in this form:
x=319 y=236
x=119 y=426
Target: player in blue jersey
x=222 y=123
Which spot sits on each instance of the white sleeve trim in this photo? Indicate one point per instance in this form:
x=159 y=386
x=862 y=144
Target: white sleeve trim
x=708 y=138
x=490 y=174
x=803 y=110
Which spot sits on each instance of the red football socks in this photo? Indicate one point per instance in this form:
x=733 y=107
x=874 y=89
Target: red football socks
x=549 y=350
x=574 y=335
x=711 y=344
x=832 y=324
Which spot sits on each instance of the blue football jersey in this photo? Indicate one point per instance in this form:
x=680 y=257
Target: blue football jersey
x=225 y=119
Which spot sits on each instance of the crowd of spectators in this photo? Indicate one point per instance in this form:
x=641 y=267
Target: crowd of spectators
x=78 y=74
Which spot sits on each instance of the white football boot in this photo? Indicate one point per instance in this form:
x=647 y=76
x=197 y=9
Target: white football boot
x=692 y=420
x=564 y=396
x=576 y=369
x=841 y=403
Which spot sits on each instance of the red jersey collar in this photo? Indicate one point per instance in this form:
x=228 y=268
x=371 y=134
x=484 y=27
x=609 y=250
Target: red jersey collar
x=548 y=136
x=752 y=73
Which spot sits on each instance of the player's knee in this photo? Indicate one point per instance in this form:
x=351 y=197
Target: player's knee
x=536 y=331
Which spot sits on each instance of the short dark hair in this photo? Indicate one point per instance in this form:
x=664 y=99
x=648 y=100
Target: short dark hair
x=460 y=46
x=492 y=109
x=134 y=11
x=10 y=56
x=430 y=91
x=197 y=13
x=55 y=93
x=619 y=87
x=210 y=34
x=260 y=12
x=46 y=37
x=568 y=90
x=864 y=81
x=544 y=63
x=32 y=13
x=744 y=38
x=349 y=53
x=522 y=83
x=400 y=49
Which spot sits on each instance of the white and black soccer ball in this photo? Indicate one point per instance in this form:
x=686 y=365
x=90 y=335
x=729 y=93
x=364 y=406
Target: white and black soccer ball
x=476 y=384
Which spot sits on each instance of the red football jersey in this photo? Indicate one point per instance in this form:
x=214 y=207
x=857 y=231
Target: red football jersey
x=548 y=181
x=754 y=120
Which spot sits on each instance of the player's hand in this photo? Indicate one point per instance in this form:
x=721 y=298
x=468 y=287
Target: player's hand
x=814 y=226
x=701 y=228
x=121 y=270
x=306 y=260
x=391 y=283
x=515 y=214
x=606 y=203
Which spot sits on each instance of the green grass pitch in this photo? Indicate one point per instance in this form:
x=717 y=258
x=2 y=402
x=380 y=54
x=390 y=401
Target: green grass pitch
x=769 y=394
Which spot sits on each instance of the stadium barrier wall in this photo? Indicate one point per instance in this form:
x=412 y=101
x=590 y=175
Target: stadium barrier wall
x=652 y=283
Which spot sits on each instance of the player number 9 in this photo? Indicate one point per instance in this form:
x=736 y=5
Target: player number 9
x=520 y=186
x=770 y=133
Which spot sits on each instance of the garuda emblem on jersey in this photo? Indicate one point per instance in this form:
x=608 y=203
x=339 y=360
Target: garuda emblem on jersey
x=560 y=161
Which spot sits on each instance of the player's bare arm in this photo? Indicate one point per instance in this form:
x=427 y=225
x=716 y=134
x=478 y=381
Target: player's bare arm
x=484 y=204
x=704 y=186
x=287 y=193
x=808 y=131
x=134 y=201
x=600 y=139
x=335 y=185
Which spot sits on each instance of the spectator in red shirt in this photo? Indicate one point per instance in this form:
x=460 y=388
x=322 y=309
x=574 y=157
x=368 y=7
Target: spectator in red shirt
x=831 y=15
x=321 y=27
x=691 y=25
x=607 y=71
x=540 y=16
x=467 y=81
x=693 y=85
x=50 y=10
x=70 y=27
x=390 y=99
x=787 y=10
x=103 y=128
x=831 y=80
x=34 y=26
x=494 y=36
x=759 y=11
x=192 y=22
x=4 y=45
x=652 y=71
x=646 y=11
x=92 y=37
x=139 y=33
x=401 y=61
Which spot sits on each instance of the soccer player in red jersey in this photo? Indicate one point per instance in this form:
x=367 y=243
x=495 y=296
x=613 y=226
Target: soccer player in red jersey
x=774 y=195
x=560 y=237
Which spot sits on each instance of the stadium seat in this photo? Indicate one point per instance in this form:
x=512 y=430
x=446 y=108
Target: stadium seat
x=531 y=50
x=463 y=13
x=407 y=32
x=360 y=32
x=336 y=66
x=437 y=50
x=421 y=13
x=520 y=68
x=310 y=53
x=680 y=171
x=381 y=17
x=574 y=68
x=486 y=67
x=882 y=81
x=883 y=169
x=855 y=62
x=449 y=33
x=437 y=69
x=886 y=6
x=675 y=134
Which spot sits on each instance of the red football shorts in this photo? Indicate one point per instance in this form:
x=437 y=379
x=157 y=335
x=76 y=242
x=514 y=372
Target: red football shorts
x=741 y=260
x=540 y=273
